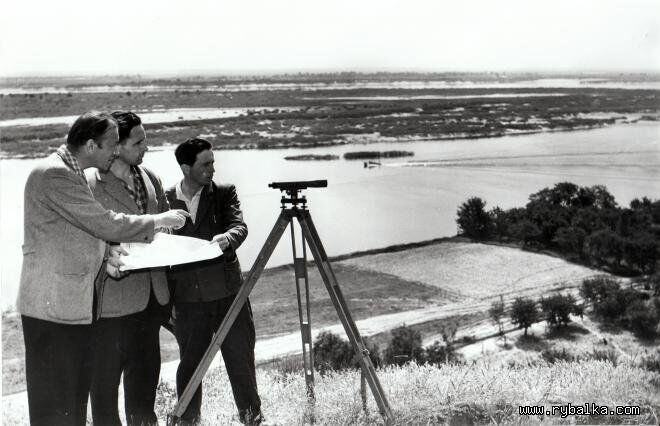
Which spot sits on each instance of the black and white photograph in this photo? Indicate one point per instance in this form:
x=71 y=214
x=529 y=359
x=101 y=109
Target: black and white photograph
x=355 y=212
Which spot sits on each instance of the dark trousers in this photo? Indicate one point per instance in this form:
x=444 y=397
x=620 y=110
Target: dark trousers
x=58 y=371
x=128 y=344
x=194 y=328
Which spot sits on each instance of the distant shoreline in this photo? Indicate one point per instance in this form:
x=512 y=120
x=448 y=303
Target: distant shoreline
x=318 y=117
x=13 y=155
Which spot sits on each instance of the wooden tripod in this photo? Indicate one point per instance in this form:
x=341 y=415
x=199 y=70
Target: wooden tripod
x=312 y=238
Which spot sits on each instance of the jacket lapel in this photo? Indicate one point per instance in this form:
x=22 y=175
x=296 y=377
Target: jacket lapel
x=115 y=189
x=152 y=200
x=203 y=207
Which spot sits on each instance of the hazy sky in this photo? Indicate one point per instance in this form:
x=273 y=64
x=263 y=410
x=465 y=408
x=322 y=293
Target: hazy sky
x=147 y=36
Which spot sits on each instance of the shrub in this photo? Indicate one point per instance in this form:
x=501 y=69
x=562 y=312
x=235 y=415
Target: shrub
x=642 y=318
x=439 y=353
x=614 y=305
x=374 y=355
x=473 y=220
x=558 y=308
x=524 y=313
x=651 y=361
x=554 y=355
x=599 y=288
x=405 y=345
x=331 y=352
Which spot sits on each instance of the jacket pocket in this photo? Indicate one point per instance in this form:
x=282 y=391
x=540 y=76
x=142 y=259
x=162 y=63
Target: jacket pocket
x=233 y=274
x=69 y=297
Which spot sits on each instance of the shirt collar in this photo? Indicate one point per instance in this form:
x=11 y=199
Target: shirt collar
x=70 y=160
x=181 y=196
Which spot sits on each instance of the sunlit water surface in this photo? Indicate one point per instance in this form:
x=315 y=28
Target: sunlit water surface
x=399 y=202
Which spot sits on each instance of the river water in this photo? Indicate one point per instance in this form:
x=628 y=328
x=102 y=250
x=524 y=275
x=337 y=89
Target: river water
x=399 y=202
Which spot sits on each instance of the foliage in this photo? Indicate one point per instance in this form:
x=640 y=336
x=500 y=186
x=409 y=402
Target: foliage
x=364 y=155
x=500 y=222
x=472 y=219
x=570 y=239
x=583 y=222
x=374 y=354
x=642 y=318
x=496 y=313
x=650 y=361
x=554 y=355
x=405 y=346
x=558 y=308
x=332 y=353
x=524 y=313
x=598 y=288
x=439 y=353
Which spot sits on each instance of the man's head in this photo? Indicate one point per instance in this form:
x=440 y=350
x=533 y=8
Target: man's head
x=132 y=138
x=196 y=160
x=93 y=137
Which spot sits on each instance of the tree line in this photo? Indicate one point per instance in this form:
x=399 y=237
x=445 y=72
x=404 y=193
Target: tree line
x=581 y=223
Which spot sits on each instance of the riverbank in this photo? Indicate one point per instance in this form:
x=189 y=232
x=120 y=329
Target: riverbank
x=286 y=119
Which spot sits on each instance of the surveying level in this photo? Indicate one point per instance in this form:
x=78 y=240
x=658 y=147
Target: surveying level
x=294 y=206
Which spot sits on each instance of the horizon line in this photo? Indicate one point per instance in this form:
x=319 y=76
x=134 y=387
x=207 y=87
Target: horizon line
x=319 y=71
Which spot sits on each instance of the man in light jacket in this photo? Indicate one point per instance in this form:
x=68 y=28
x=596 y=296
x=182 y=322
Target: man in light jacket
x=65 y=230
x=131 y=309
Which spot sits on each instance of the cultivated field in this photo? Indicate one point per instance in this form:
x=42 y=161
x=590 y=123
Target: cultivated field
x=477 y=271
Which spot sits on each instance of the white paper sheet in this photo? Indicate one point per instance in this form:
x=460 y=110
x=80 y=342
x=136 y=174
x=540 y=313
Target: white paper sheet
x=166 y=250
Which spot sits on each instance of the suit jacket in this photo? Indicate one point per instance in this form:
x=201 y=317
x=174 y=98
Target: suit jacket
x=64 y=243
x=129 y=294
x=219 y=212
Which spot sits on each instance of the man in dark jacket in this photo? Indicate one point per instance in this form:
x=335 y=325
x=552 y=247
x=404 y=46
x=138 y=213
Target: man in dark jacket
x=203 y=291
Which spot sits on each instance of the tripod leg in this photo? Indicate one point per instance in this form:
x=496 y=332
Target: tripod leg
x=241 y=297
x=331 y=284
x=300 y=266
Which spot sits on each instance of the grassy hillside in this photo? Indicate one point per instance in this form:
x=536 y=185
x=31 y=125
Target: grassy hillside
x=455 y=394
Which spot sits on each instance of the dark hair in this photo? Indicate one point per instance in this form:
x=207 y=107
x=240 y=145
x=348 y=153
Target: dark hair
x=186 y=152
x=126 y=120
x=90 y=125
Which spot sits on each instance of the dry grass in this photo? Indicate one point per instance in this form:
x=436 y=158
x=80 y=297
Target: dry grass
x=455 y=394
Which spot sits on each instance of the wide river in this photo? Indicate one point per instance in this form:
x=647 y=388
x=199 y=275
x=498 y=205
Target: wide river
x=365 y=208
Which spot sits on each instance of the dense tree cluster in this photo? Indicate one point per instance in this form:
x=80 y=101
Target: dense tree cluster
x=637 y=310
x=580 y=222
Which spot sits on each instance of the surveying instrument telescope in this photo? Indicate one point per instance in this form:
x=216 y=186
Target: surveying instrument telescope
x=294 y=205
